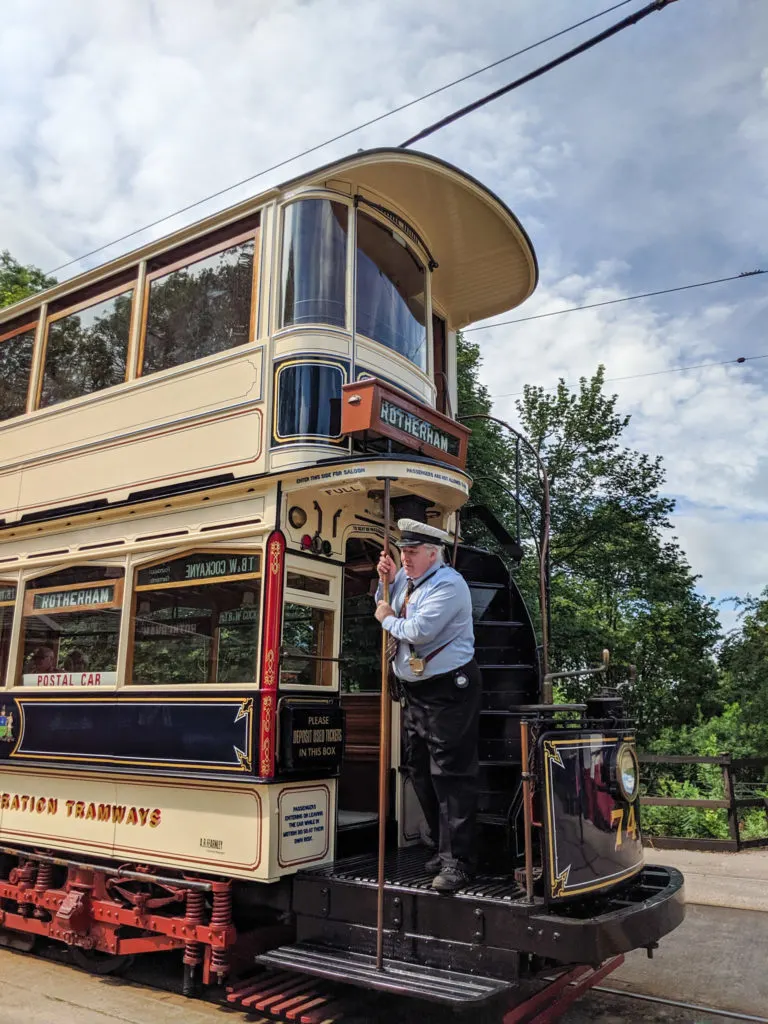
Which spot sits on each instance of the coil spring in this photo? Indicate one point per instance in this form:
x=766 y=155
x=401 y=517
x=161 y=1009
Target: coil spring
x=221 y=917
x=26 y=876
x=43 y=883
x=193 y=954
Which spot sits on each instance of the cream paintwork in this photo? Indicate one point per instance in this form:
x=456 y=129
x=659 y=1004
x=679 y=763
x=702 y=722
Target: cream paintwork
x=183 y=423
x=199 y=421
x=234 y=830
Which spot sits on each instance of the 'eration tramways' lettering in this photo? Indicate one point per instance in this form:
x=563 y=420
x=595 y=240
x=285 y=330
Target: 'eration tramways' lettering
x=117 y=814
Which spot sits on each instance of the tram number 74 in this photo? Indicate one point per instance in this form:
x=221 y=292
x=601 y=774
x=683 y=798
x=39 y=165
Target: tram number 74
x=617 y=818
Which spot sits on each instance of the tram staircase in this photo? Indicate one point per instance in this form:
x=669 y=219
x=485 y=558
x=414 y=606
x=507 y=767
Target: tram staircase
x=505 y=648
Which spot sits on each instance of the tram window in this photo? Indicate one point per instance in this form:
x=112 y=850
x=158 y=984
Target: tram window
x=200 y=308
x=308 y=401
x=86 y=350
x=312 y=584
x=307 y=654
x=391 y=282
x=15 y=368
x=196 y=620
x=314 y=273
x=71 y=627
x=7 y=602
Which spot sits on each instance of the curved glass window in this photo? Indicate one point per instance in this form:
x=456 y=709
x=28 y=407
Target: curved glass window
x=308 y=401
x=314 y=274
x=199 y=309
x=391 y=297
x=15 y=368
x=86 y=350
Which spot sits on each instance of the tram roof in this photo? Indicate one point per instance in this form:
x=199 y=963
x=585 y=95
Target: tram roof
x=486 y=262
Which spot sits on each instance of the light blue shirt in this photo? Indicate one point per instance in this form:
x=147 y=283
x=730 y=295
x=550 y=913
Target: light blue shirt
x=439 y=612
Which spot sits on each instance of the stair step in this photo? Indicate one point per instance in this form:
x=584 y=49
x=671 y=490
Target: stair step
x=451 y=988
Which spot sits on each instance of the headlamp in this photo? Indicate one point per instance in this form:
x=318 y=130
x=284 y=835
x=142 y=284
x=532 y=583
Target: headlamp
x=626 y=772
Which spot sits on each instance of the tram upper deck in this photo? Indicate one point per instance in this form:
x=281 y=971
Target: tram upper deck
x=219 y=352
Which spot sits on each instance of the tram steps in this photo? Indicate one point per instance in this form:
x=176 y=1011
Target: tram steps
x=451 y=988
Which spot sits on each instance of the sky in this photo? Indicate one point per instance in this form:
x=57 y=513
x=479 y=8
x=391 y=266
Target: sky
x=640 y=165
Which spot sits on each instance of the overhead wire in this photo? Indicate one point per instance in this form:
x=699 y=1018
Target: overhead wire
x=613 y=302
x=631 y=19
x=337 y=138
x=653 y=373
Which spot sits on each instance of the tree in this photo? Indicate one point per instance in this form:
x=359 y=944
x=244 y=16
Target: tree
x=744 y=665
x=617 y=579
x=18 y=281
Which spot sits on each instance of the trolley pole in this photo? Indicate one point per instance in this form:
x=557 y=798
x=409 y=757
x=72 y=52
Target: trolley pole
x=385 y=737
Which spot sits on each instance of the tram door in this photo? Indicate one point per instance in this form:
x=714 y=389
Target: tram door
x=361 y=700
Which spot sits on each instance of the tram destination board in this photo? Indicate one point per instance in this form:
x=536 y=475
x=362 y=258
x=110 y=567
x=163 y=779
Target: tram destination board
x=311 y=735
x=375 y=409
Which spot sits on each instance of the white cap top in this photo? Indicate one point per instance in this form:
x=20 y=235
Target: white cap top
x=413 y=533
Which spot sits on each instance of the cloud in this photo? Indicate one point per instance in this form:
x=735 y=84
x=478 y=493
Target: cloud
x=638 y=165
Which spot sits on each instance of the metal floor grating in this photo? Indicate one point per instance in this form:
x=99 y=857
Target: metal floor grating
x=405 y=869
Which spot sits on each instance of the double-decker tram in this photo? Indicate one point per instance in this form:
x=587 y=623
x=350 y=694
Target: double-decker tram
x=196 y=442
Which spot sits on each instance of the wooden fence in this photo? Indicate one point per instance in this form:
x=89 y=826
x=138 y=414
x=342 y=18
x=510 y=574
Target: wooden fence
x=731 y=766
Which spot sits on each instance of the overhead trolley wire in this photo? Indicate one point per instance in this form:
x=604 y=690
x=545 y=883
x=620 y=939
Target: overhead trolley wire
x=342 y=135
x=654 y=373
x=613 y=302
x=631 y=19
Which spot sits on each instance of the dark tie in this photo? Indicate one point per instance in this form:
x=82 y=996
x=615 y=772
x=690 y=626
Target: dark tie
x=393 y=642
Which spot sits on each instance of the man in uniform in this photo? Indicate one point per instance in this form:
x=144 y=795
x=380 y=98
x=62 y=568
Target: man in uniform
x=429 y=620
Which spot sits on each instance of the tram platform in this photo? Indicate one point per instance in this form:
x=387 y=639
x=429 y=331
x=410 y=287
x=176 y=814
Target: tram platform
x=736 y=880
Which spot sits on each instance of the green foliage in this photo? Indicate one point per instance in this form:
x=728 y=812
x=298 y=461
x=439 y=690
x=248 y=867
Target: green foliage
x=617 y=579
x=18 y=281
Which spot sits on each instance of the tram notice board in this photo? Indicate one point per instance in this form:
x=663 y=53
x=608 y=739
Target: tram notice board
x=371 y=408
x=311 y=735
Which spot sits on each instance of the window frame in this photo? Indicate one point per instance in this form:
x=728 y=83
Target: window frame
x=278 y=440
x=252 y=234
x=25 y=585
x=135 y=590
x=278 y=329
x=78 y=307
x=9 y=604
x=310 y=566
x=374 y=214
x=31 y=327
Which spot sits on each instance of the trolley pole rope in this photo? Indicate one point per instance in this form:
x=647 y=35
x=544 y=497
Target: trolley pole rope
x=385 y=736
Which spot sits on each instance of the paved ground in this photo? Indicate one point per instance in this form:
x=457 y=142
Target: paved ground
x=720 y=879
x=716 y=958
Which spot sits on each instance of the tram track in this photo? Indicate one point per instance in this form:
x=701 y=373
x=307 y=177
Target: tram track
x=679 y=1004
x=339 y=1003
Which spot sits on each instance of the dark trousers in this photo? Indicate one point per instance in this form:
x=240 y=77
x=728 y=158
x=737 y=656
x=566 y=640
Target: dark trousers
x=440 y=733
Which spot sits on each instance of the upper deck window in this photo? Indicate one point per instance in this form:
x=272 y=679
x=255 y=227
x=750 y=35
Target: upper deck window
x=196 y=619
x=7 y=602
x=86 y=349
x=15 y=367
x=391 y=297
x=71 y=627
x=198 y=308
x=314 y=275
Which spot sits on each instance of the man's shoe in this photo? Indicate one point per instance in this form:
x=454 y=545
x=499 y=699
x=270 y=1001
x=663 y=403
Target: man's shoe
x=450 y=879
x=433 y=865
